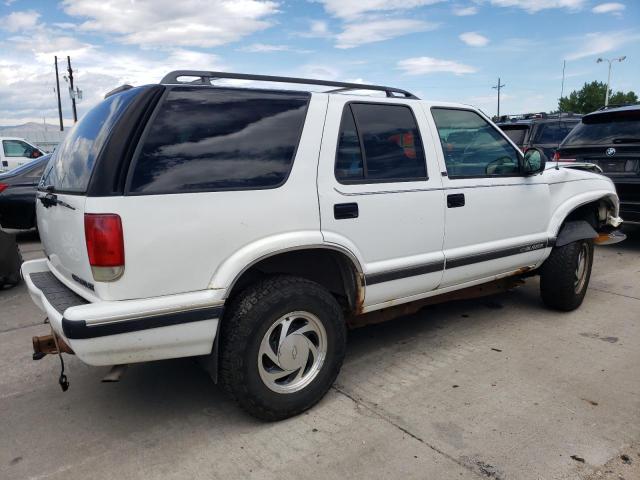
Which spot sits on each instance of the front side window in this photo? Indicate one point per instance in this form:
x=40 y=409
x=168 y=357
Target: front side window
x=207 y=139
x=472 y=147
x=17 y=148
x=379 y=143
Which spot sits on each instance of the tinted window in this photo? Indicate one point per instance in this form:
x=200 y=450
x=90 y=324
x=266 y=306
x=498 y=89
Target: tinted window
x=516 y=134
x=215 y=139
x=606 y=128
x=72 y=162
x=472 y=147
x=391 y=141
x=553 y=132
x=349 y=163
x=17 y=148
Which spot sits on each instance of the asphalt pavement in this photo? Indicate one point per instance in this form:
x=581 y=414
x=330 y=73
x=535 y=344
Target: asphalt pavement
x=497 y=388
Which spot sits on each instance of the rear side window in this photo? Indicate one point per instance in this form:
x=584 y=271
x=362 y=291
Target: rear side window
x=379 y=143
x=206 y=139
x=72 y=163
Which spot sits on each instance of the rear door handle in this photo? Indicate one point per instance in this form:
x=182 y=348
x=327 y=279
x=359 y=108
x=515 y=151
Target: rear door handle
x=342 y=211
x=455 y=200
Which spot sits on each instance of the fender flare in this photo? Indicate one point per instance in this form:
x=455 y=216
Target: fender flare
x=573 y=231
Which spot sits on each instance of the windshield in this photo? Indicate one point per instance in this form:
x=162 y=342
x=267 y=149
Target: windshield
x=72 y=163
x=516 y=133
x=605 y=129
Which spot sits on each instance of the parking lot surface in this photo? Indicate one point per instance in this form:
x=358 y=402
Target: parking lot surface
x=496 y=388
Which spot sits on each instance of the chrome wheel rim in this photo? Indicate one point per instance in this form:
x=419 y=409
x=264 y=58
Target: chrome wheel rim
x=292 y=352
x=580 y=276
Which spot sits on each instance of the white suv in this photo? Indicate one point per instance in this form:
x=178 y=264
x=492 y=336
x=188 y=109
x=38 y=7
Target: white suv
x=249 y=226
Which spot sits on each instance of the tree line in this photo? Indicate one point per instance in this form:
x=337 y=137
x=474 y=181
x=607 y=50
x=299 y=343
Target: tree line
x=591 y=97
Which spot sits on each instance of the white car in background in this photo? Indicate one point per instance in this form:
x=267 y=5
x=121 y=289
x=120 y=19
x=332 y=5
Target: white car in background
x=15 y=152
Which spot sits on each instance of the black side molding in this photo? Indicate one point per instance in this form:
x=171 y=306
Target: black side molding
x=404 y=273
x=78 y=329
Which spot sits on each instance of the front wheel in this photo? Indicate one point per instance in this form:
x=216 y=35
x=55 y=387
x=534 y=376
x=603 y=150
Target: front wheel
x=282 y=346
x=564 y=276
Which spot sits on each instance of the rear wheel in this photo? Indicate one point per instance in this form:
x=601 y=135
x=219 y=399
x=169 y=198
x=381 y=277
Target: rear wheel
x=564 y=276
x=282 y=346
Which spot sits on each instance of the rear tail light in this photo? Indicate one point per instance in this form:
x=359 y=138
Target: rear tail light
x=105 y=245
x=3 y=187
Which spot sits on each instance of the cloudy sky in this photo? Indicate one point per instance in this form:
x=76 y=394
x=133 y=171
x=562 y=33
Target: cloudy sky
x=446 y=50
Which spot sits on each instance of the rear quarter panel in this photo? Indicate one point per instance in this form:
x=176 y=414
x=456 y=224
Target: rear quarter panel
x=177 y=243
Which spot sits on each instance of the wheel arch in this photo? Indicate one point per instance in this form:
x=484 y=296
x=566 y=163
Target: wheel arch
x=590 y=207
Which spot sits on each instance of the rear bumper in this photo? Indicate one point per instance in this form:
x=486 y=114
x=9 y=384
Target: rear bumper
x=118 y=332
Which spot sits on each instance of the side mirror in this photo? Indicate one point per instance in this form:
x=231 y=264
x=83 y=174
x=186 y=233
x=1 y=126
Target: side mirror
x=533 y=162
x=36 y=154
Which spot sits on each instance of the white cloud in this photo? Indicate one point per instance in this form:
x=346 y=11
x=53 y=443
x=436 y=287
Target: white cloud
x=20 y=21
x=355 y=34
x=426 y=65
x=465 y=11
x=353 y=8
x=474 y=39
x=597 y=43
x=265 y=48
x=533 y=6
x=611 y=7
x=158 y=23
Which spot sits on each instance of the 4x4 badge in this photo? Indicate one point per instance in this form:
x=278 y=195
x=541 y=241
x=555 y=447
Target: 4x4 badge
x=610 y=152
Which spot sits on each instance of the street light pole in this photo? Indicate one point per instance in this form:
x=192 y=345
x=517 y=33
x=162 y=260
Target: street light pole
x=610 y=60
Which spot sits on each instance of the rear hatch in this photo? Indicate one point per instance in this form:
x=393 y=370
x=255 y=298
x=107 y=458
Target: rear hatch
x=610 y=139
x=62 y=192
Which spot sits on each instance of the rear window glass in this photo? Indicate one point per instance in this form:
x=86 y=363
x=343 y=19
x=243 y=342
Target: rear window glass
x=606 y=128
x=72 y=163
x=206 y=139
x=516 y=134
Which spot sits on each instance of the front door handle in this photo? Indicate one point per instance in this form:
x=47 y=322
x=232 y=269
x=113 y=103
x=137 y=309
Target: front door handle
x=455 y=200
x=342 y=211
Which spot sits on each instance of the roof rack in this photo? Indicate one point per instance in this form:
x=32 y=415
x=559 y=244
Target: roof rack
x=204 y=78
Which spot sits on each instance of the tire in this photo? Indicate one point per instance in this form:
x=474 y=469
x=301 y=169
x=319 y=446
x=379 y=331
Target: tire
x=274 y=377
x=564 y=276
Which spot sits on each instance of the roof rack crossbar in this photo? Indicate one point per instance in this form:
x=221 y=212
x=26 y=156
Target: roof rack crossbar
x=205 y=77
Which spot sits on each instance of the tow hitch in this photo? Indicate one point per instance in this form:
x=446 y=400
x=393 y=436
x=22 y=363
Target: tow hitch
x=51 y=345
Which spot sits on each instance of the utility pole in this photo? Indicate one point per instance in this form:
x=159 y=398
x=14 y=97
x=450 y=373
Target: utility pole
x=73 y=97
x=498 y=87
x=564 y=64
x=58 y=92
x=619 y=59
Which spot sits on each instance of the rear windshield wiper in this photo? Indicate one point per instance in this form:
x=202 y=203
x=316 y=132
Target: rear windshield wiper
x=626 y=140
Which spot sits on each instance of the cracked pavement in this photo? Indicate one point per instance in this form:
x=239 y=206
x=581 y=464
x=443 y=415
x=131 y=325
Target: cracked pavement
x=495 y=388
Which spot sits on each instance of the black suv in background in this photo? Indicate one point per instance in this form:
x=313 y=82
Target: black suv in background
x=538 y=130
x=610 y=138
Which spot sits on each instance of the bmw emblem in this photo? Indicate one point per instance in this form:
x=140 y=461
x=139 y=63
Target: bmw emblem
x=610 y=152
